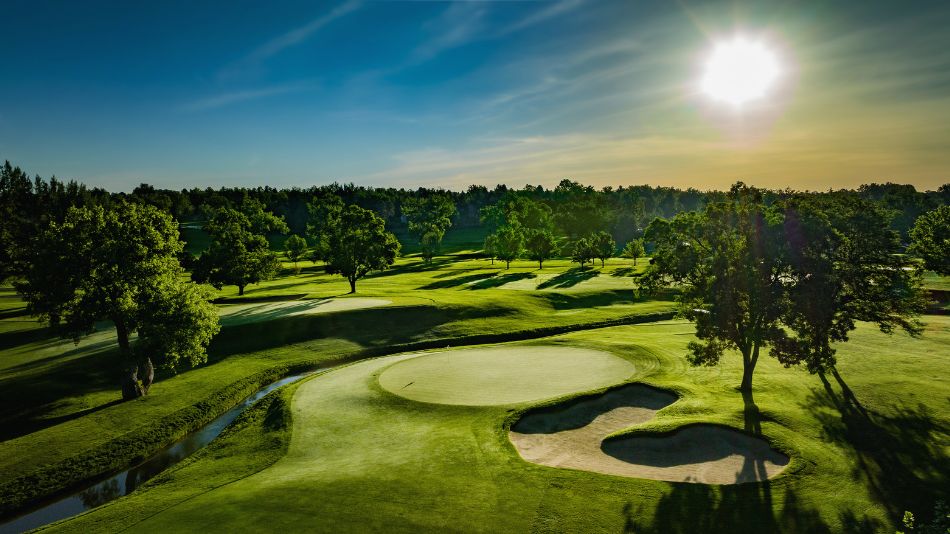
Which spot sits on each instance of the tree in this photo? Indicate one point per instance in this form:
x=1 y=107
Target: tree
x=120 y=264
x=239 y=253
x=516 y=209
x=540 y=245
x=358 y=244
x=930 y=239
x=582 y=252
x=845 y=264
x=491 y=247
x=793 y=276
x=634 y=250
x=602 y=246
x=581 y=211
x=429 y=217
x=509 y=244
x=295 y=247
x=324 y=213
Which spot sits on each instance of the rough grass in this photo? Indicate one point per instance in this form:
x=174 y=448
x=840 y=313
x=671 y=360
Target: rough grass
x=864 y=446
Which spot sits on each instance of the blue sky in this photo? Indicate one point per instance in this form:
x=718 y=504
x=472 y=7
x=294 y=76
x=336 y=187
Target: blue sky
x=182 y=94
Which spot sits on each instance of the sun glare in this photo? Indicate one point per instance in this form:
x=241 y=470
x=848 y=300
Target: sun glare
x=739 y=71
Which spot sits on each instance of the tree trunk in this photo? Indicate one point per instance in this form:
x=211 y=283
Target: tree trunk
x=240 y=290
x=634 y=261
x=601 y=263
x=352 y=284
x=148 y=374
x=507 y=264
x=540 y=264
x=131 y=389
x=748 y=367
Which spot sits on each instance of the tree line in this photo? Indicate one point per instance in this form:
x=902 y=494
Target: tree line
x=780 y=269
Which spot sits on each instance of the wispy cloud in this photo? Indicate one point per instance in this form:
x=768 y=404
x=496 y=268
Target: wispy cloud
x=286 y=40
x=235 y=97
x=555 y=9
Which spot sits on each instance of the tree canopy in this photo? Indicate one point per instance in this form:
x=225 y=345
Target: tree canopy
x=120 y=264
x=794 y=276
x=294 y=248
x=509 y=244
x=541 y=245
x=358 y=244
x=634 y=249
x=239 y=253
x=602 y=246
x=930 y=239
x=428 y=218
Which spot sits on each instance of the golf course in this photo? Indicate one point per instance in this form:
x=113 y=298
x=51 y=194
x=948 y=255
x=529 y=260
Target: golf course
x=456 y=396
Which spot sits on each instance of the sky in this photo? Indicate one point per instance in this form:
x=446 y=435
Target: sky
x=448 y=94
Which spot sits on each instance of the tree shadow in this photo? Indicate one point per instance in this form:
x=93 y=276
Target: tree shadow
x=457 y=281
x=623 y=271
x=500 y=280
x=415 y=267
x=28 y=426
x=562 y=301
x=569 y=278
x=690 y=508
x=897 y=453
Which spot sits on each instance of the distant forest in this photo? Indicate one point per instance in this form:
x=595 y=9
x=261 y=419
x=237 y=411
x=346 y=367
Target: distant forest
x=577 y=209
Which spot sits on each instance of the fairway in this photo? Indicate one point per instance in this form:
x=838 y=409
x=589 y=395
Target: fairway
x=503 y=375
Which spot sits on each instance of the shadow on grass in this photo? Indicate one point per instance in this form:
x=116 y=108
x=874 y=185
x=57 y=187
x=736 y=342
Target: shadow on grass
x=457 y=281
x=690 y=508
x=415 y=267
x=898 y=454
x=561 y=301
x=500 y=280
x=623 y=271
x=27 y=398
x=569 y=278
x=368 y=327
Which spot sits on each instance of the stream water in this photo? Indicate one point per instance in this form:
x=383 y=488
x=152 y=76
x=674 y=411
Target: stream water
x=104 y=490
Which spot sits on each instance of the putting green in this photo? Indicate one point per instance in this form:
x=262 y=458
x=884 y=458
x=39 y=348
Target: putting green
x=503 y=375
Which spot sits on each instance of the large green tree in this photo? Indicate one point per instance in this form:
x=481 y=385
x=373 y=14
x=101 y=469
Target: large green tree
x=509 y=244
x=582 y=251
x=324 y=213
x=793 y=276
x=120 y=264
x=428 y=218
x=930 y=239
x=358 y=244
x=603 y=246
x=845 y=264
x=541 y=245
x=239 y=253
x=294 y=248
x=634 y=249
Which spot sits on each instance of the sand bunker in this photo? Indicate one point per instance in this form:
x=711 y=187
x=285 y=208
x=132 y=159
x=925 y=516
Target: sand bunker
x=503 y=375
x=572 y=436
x=232 y=314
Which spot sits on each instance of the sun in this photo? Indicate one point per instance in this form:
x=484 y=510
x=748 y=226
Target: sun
x=739 y=71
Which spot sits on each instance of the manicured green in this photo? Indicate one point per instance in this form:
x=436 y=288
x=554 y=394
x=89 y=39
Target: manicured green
x=500 y=375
